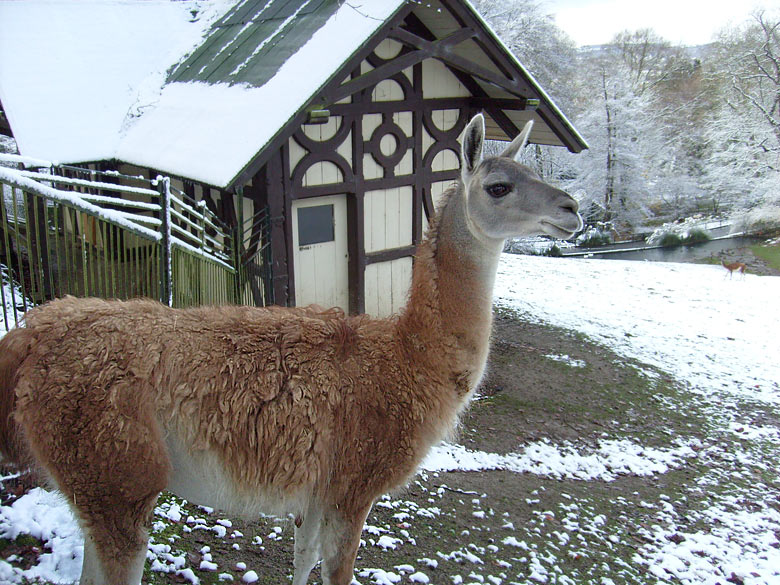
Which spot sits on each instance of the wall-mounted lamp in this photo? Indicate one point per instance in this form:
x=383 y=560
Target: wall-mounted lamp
x=532 y=103
x=318 y=116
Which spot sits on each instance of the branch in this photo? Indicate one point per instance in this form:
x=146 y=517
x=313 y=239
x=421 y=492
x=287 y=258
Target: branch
x=757 y=104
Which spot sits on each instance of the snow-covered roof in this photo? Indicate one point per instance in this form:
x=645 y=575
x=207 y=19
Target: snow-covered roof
x=71 y=73
x=194 y=88
x=184 y=126
x=85 y=80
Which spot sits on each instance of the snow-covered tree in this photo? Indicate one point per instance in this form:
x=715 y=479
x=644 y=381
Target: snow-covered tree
x=742 y=139
x=671 y=130
x=621 y=115
x=530 y=32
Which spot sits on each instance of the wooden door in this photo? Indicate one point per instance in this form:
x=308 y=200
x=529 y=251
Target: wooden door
x=320 y=251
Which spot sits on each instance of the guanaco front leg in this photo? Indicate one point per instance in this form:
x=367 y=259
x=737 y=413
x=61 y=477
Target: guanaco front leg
x=340 y=537
x=307 y=544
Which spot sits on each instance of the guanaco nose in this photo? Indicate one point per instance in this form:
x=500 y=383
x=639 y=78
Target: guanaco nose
x=570 y=205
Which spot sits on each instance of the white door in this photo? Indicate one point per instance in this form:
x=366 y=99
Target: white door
x=320 y=251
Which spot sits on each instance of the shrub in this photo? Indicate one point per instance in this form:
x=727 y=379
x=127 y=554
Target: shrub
x=669 y=239
x=696 y=236
x=554 y=251
x=688 y=231
x=594 y=237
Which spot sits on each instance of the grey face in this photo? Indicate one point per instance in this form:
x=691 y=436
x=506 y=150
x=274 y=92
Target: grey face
x=508 y=199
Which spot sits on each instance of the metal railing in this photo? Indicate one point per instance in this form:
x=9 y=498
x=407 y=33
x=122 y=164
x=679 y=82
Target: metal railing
x=68 y=230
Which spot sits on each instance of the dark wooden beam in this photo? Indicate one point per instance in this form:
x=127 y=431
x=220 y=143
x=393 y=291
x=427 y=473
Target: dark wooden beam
x=5 y=125
x=390 y=254
x=418 y=194
x=480 y=101
x=494 y=106
x=356 y=217
x=371 y=184
x=513 y=85
x=278 y=211
x=395 y=65
x=374 y=76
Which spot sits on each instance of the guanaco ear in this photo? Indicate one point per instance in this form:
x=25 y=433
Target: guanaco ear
x=515 y=148
x=472 y=140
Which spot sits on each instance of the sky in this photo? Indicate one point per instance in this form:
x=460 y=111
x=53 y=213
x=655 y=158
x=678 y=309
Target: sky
x=685 y=22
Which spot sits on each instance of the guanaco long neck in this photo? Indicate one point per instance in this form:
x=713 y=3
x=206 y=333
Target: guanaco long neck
x=448 y=318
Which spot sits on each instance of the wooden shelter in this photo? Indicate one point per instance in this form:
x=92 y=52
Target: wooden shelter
x=339 y=122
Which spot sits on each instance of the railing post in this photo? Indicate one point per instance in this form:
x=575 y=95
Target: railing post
x=166 y=278
x=238 y=245
x=201 y=206
x=267 y=270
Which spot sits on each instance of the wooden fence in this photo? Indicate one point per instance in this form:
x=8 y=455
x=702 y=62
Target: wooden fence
x=69 y=230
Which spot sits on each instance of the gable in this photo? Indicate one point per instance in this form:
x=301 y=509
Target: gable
x=447 y=36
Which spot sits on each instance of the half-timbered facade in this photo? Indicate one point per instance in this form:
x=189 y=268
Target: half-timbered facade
x=350 y=172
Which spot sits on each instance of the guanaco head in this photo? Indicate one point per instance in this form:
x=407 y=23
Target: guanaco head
x=506 y=198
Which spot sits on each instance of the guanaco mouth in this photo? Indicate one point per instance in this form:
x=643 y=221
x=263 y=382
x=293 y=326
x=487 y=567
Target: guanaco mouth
x=557 y=231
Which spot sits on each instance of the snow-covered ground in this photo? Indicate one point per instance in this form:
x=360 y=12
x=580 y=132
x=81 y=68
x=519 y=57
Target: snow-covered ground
x=716 y=336
x=709 y=331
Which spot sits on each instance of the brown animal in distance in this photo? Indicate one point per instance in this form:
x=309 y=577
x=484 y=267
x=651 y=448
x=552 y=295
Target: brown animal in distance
x=732 y=266
x=284 y=410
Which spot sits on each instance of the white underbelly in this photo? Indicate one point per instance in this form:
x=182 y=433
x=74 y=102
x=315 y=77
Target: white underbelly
x=201 y=478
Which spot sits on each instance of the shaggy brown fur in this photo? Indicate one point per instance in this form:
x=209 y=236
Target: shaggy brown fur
x=15 y=346
x=299 y=411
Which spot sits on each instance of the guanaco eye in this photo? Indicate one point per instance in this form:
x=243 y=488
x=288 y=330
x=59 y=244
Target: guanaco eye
x=498 y=190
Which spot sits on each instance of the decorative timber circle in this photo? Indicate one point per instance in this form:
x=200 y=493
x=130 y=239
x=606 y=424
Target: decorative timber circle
x=388 y=160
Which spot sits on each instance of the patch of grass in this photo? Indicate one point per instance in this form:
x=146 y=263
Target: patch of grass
x=610 y=397
x=770 y=254
x=22 y=552
x=712 y=260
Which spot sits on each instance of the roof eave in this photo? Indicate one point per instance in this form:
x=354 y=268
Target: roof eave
x=578 y=143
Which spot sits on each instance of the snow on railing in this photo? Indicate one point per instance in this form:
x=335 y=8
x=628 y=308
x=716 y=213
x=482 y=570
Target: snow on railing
x=74 y=199
x=26 y=161
x=75 y=235
x=195 y=227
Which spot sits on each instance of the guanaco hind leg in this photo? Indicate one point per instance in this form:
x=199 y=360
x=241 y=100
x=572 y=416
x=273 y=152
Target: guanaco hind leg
x=115 y=543
x=104 y=451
